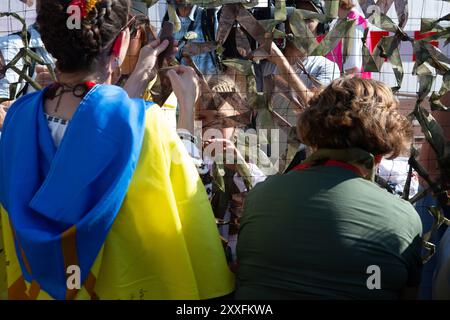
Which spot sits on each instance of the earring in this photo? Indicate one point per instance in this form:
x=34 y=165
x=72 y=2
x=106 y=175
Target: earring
x=117 y=73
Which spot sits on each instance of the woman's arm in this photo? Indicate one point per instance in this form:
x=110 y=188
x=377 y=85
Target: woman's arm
x=185 y=85
x=288 y=73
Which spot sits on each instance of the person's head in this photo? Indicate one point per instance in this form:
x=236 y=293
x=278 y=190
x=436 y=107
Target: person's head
x=218 y=119
x=344 y=7
x=313 y=25
x=183 y=7
x=101 y=41
x=355 y=113
x=346 y=4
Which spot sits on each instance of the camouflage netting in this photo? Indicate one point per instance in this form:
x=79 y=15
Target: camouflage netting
x=256 y=110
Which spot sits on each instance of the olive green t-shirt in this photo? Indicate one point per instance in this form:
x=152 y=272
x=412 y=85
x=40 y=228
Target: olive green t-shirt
x=316 y=233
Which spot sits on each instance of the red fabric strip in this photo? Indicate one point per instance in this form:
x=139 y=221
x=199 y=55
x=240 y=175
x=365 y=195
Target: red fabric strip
x=331 y=163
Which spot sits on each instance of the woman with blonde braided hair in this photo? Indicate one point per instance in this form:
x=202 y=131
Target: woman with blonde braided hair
x=325 y=230
x=102 y=201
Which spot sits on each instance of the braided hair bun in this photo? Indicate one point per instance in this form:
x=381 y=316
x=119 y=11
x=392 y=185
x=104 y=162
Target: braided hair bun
x=80 y=49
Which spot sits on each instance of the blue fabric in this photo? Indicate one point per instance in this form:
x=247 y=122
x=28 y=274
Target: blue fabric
x=83 y=183
x=205 y=61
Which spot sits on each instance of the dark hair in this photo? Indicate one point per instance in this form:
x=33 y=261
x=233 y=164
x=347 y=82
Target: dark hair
x=80 y=49
x=356 y=113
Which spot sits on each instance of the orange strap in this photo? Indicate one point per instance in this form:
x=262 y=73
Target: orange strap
x=18 y=290
x=69 y=248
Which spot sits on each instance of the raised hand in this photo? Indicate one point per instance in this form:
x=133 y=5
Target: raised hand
x=145 y=67
x=186 y=87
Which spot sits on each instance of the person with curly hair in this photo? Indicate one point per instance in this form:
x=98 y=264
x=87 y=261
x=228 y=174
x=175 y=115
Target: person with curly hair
x=102 y=201
x=325 y=230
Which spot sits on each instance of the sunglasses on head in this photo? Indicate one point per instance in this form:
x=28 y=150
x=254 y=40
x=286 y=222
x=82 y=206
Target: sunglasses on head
x=131 y=21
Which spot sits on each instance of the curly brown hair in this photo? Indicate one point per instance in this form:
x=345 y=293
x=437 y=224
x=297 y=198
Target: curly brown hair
x=355 y=113
x=80 y=49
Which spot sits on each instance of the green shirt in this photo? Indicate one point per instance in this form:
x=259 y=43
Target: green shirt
x=313 y=234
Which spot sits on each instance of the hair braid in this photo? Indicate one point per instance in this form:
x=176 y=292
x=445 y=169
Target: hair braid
x=80 y=49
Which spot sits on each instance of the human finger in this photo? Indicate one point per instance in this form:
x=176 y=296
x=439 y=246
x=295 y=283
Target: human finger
x=161 y=47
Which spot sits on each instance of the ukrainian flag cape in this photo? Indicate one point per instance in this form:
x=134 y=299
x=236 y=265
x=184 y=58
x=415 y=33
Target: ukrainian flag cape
x=119 y=201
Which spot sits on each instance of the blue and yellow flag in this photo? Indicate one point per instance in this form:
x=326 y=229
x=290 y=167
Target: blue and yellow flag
x=119 y=199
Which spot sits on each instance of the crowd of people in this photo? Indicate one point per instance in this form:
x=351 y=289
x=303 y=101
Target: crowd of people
x=93 y=176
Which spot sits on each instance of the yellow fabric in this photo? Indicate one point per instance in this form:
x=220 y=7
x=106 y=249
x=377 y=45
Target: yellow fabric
x=164 y=243
x=170 y=110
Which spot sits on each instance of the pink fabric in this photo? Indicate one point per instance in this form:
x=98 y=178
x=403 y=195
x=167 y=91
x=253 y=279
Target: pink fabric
x=360 y=20
x=336 y=54
x=353 y=15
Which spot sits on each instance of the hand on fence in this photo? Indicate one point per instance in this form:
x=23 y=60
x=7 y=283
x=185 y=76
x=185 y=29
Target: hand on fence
x=186 y=87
